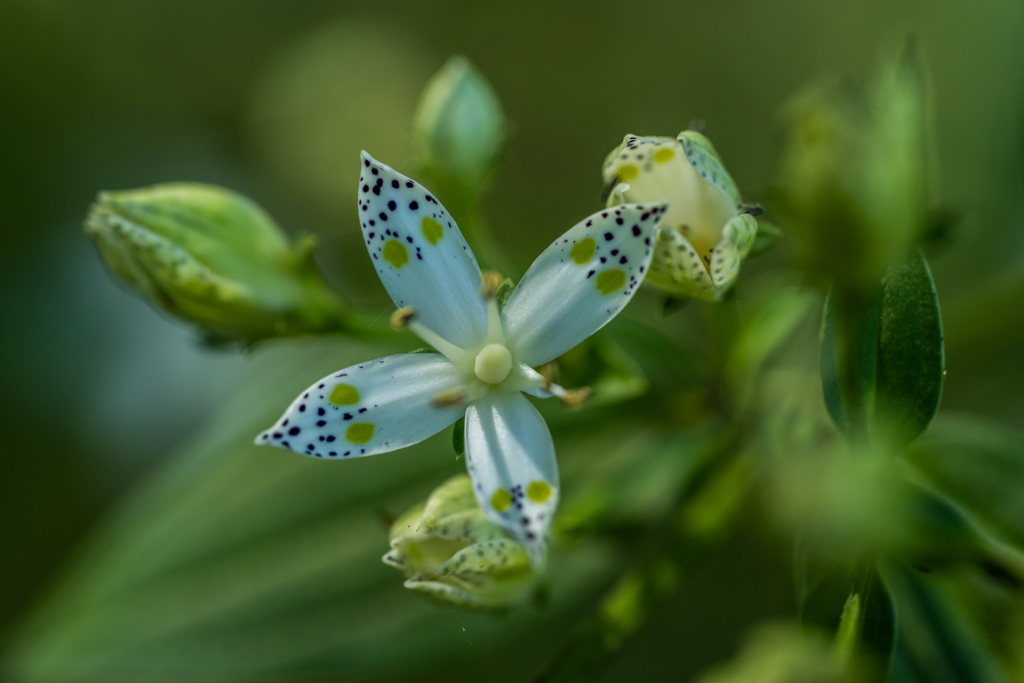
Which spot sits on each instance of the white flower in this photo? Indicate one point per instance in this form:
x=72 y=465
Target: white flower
x=706 y=234
x=486 y=358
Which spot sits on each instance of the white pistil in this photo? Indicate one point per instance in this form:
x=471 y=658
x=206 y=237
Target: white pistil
x=493 y=364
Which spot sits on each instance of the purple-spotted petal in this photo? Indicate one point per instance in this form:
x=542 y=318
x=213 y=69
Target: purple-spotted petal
x=373 y=407
x=581 y=282
x=420 y=255
x=511 y=459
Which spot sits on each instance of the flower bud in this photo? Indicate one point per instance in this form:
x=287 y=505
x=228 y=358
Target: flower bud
x=459 y=126
x=451 y=553
x=706 y=234
x=853 y=175
x=214 y=258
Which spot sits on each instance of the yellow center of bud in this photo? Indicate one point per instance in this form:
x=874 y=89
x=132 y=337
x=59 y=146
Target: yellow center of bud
x=493 y=363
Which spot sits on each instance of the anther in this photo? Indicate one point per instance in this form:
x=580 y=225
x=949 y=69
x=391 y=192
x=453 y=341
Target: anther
x=449 y=398
x=402 y=317
x=491 y=283
x=573 y=399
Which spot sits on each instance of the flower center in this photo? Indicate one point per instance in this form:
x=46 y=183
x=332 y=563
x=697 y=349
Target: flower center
x=493 y=363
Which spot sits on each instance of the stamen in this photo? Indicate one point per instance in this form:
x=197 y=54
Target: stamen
x=491 y=283
x=460 y=357
x=495 y=333
x=573 y=399
x=402 y=317
x=525 y=378
x=450 y=398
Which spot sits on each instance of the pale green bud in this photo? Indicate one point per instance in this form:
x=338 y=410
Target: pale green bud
x=215 y=259
x=451 y=553
x=459 y=127
x=706 y=233
x=853 y=175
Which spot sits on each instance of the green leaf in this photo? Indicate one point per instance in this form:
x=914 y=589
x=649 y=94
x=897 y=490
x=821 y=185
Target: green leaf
x=911 y=356
x=934 y=642
x=980 y=466
x=900 y=374
x=459 y=437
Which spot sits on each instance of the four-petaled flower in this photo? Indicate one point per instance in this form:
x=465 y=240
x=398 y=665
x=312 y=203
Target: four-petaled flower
x=487 y=357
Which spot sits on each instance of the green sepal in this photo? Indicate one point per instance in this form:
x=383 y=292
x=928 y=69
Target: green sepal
x=505 y=290
x=459 y=437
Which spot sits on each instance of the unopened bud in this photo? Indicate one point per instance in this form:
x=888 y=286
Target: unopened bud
x=450 y=552
x=706 y=232
x=214 y=258
x=853 y=175
x=459 y=126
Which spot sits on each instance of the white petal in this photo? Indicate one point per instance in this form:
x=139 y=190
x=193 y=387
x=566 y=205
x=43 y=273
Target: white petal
x=511 y=460
x=580 y=282
x=373 y=407
x=420 y=254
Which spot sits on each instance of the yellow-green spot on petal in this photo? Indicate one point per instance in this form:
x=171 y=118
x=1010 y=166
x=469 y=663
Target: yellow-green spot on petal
x=501 y=500
x=628 y=172
x=394 y=253
x=610 y=281
x=538 y=491
x=664 y=154
x=344 y=395
x=360 y=432
x=432 y=230
x=582 y=251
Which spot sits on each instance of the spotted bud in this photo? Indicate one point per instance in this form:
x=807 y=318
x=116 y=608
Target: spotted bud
x=215 y=259
x=450 y=552
x=459 y=126
x=853 y=175
x=705 y=234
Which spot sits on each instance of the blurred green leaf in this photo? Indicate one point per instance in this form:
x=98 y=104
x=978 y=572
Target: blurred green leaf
x=829 y=589
x=242 y=562
x=934 y=643
x=980 y=466
x=903 y=375
x=767 y=237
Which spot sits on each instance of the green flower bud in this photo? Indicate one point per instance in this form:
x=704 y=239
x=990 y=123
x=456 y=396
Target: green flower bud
x=214 y=258
x=706 y=234
x=459 y=127
x=853 y=175
x=451 y=553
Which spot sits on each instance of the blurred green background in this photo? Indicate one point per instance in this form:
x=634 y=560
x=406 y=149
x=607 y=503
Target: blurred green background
x=275 y=100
